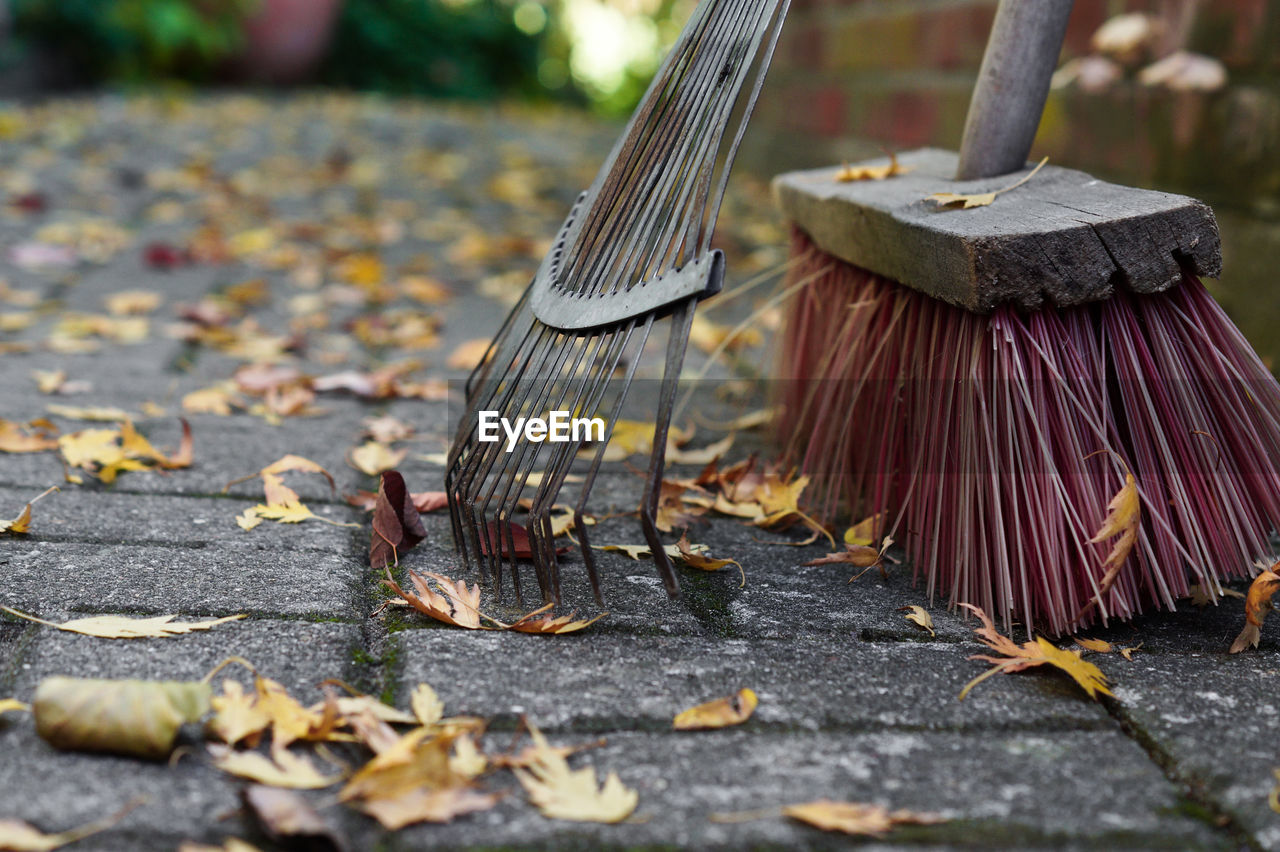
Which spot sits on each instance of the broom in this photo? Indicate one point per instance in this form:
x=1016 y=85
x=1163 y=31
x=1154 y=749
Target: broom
x=981 y=381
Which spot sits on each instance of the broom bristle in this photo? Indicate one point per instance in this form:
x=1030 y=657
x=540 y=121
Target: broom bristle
x=978 y=437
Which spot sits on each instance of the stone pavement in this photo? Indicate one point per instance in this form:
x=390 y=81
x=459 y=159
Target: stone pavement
x=855 y=703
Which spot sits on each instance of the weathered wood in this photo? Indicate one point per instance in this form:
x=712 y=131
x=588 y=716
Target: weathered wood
x=1013 y=83
x=1063 y=238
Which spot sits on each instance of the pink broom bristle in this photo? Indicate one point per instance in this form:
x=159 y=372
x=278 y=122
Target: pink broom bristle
x=994 y=443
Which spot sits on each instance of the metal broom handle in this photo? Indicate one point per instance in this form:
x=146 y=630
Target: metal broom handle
x=1013 y=84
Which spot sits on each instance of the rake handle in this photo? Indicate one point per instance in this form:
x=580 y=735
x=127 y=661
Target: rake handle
x=1013 y=83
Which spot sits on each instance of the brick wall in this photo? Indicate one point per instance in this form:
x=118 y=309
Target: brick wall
x=852 y=76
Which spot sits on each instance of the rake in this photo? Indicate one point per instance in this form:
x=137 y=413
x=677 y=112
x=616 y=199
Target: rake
x=633 y=252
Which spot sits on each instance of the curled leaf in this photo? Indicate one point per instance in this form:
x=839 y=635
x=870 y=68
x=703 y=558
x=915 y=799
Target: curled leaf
x=720 y=713
x=851 y=173
x=396 y=524
x=21 y=524
x=18 y=836
x=1256 y=606
x=132 y=717
x=918 y=616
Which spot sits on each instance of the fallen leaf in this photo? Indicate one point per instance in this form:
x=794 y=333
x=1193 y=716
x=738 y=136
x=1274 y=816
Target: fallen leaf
x=457 y=606
x=427 y=706
x=980 y=199
x=572 y=794
x=426 y=805
x=34 y=437
x=106 y=453
x=865 y=531
x=857 y=555
x=372 y=458
x=721 y=713
x=509 y=539
x=92 y=414
x=1037 y=652
x=1256 y=606
x=700 y=560
x=132 y=717
x=705 y=455
x=12 y=705
x=1124 y=514
x=1200 y=596
x=248 y=519
x=128 y=627
x=549 y=624
x=387 y=429
x=918 y=616
x=132 y=302
x=1098 y=646
x=236 y=714
x=18 y=836
x=21 y=524
x=284 y=815
x=855 y=817
x=467 y=356
x=890 y=169
x=231 y=844
x=282 y=769
x=219 y=400
x=396 y=525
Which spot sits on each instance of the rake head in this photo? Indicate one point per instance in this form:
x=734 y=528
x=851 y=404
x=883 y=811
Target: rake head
x=633 y=251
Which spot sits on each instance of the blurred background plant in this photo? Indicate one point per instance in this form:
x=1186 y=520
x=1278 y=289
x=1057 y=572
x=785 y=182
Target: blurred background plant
x=600 y=53
x=135 y=41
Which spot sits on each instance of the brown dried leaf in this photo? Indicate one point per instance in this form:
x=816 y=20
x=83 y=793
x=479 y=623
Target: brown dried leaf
x=284 y=815
x=21 y=524
x=18 y=836
x=458 y=605
x=549 y=624
x=396 y=525
x=282 y=769
x=1256 y=606
x=34 y=437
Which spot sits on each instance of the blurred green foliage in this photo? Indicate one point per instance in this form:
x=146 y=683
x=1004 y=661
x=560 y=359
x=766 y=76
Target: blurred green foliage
x=136 y=40
x=453 y=49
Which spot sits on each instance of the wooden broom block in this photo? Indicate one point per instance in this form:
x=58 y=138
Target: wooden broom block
x=1063 y=238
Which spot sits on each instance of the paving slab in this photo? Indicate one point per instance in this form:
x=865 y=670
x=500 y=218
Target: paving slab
x=110 y=517
x=1213 y=719
x=1006 y=791
x=189 y=799
x=600 y=683
x=48 y=577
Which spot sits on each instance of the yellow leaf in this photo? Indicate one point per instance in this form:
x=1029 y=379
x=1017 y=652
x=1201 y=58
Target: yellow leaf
x=372 y=458
x=236 y=715
x=283 y=769
x=21 y=524
x=248 y=519
x=919 y=616
x=569 y=794
x=468 y=355
x=425 y=805
x=12 y=705
x=864 y=532
x=850 y=173
x=98 y=413
x=705 y=455
x=1099 y=646
x=285 y=513
x=854 y=817
x=18 y=836
x=721 y=713
x=466 y=760
x=214 y=400
x=1256 y=606
x=1124 y=514
x=427 y=706
x=34 y=437
x=127 y=627
x=290 y=721
x=1040 y=651
x=980 y=199
x=49 y=381
x=131 y=302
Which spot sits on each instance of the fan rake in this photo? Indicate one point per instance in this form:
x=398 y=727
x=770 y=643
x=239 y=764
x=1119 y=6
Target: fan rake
x=634 y=250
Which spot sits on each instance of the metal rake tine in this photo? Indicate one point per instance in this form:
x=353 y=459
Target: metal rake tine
x=681 y=322
x=519 y=469
x=590 y=478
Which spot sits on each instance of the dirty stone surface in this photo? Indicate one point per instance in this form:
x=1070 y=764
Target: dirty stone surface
x=856 y=703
